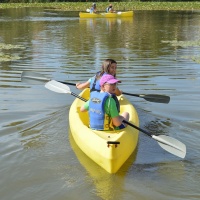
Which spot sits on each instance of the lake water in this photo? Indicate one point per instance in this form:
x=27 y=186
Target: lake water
x=158 y=52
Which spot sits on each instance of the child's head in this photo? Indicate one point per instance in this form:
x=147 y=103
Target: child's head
x=109 y=66
x=108 y=83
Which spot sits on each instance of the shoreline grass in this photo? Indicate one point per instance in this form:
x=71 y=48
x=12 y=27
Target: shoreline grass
x=82 y=6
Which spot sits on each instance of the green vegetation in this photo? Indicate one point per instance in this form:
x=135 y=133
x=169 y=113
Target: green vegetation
x=82 y=6
x=185 y=44
x=5 y=52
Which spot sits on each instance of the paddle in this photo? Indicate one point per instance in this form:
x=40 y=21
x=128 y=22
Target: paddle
x=169 y=144
x=36 y=78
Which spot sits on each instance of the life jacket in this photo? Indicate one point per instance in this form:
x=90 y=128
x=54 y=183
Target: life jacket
x=99 y=120
x=95 y=84
x=92 y=9
x=108 y=9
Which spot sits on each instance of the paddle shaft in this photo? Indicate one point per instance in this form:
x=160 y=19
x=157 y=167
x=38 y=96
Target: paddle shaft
x=135 y=95
x=67 y=83
x=138 y=128
x=75 y=95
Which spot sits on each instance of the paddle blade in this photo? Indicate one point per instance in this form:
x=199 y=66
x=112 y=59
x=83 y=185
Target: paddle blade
x=88 y=10
x=156 y=98
x=171 y=145
x=58 y=87
x=33 y=78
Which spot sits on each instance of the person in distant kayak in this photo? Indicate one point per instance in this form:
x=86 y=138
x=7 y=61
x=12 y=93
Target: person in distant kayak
x=110 y=9
x=104 y=106
x=93 y=9
x=109 y=66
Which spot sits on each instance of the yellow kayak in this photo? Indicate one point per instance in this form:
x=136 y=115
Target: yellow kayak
x=109 y=149
x=106 y=15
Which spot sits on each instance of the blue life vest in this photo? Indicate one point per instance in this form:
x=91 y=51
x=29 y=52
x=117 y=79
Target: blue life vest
x=95 y=84
x=92 y=9
x=96 y=110
x=99 y=120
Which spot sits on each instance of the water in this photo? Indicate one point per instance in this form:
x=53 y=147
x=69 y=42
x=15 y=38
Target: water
x=157 y=53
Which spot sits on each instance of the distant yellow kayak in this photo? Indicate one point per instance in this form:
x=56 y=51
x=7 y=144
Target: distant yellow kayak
x=109 y=149
x=106 y=15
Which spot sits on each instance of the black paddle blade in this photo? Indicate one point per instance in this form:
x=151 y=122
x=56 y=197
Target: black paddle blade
x=156 y=98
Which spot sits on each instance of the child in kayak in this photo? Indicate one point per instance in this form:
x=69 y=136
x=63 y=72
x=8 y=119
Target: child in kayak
x=109 y=66
x=104 y=106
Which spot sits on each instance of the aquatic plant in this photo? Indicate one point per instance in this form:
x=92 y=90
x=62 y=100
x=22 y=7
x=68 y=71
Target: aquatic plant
x=8 y=56
x=82 y=6
x=194 y=43
x=185 y=44
x=10 y=46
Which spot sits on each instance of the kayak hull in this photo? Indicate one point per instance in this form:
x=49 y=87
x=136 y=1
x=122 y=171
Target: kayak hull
x=109 y=149
x=106 y=15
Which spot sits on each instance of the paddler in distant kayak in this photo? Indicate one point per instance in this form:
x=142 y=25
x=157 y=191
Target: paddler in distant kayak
x=104 y=106
x=93 y=9
x=109 y=66
x=110 y=9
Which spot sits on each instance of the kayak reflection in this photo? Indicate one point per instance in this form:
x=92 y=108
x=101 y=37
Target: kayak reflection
x=107 y=185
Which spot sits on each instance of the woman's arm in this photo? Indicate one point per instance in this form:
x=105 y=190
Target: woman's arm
x=82 y=86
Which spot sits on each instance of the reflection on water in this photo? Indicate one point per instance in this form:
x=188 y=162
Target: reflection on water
x=107 y=185
x=93 y=22
x=157 y=53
